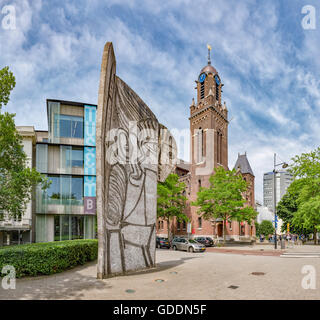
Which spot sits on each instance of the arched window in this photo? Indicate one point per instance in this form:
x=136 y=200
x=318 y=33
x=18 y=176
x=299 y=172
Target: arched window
x=170 y=149
x=199 y=184
x=217 y=92
x=219 y=146
x=199 y=222
x=200 y=145
x=202 y=90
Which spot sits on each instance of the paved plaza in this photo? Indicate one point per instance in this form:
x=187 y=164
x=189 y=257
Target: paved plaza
x=209 y=275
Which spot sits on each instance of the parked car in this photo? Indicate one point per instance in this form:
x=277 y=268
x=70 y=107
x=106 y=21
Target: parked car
x=206 y=241
x=187 y=245
x=162 y=243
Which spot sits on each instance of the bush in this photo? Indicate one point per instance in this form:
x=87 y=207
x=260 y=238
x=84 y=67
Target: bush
x=48 y=258
x=266 y=228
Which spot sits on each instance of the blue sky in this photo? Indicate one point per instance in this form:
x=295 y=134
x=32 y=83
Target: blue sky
x=268 y=63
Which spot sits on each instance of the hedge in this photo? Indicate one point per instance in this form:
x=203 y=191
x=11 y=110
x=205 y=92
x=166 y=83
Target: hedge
x=48 y=258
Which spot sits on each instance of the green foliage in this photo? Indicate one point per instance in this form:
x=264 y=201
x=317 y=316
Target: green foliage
x=171 y=201
x=224 y=198
x=16 y=180
x=7 y=83
x=48 y=258
x=257 y=228
x=307 y=165
x=265 y=228
x=306 y=169
x=288 y=207
x=308 y=214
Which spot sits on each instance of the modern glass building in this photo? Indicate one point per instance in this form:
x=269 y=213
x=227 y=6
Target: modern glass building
x=66 y=154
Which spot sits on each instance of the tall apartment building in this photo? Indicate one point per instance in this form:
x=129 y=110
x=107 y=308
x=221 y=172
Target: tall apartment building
x=283 y=181
x=66 y=154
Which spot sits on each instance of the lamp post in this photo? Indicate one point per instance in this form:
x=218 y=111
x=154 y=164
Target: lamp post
x=284 y=165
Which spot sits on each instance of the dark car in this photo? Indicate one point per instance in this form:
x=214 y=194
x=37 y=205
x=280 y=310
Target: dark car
x=206 y=241
x=162 y=243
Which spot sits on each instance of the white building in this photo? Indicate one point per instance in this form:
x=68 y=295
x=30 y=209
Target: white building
x=283 y=181
x=264 y=213
x=14 y=231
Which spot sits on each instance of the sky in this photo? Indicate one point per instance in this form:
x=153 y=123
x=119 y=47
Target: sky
x=268 y=62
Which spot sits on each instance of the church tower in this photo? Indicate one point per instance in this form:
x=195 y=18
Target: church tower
x=209 y=137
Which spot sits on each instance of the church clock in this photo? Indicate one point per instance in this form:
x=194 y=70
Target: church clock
x=202 y=77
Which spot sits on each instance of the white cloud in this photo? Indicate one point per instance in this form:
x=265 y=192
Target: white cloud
x=53 y=56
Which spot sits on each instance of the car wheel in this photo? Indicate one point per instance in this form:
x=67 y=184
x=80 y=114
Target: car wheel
x=174 y=248
x=191 y=249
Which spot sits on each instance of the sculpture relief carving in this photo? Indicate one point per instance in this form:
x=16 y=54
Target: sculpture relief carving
x=131 y=149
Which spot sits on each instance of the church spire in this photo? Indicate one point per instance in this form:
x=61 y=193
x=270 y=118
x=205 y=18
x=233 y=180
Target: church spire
x=209 y=50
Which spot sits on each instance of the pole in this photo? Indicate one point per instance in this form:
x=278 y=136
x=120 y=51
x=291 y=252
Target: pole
x=275 y=201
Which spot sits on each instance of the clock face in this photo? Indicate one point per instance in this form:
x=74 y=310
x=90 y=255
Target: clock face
x=202 y=77
x=217 y=80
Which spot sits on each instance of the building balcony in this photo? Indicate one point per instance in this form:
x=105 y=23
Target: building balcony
x=11 y=224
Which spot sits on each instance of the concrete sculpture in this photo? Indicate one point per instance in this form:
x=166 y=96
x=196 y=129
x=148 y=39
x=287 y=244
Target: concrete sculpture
x=132 y=150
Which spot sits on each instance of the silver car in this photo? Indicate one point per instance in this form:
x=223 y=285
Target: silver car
x=187 y=245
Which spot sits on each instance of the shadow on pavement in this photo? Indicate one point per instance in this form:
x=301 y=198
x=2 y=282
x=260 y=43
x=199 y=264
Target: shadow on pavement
x=65 y=285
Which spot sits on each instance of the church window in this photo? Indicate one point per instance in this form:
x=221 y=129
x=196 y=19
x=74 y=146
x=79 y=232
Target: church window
x=184 y=225
x=200 y=145
x=217 y=92
x=170 y=149
x=219 y=147
x=200 y=223
x=202 y=90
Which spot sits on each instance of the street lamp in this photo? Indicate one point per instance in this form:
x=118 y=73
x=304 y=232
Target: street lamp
x=284 y=165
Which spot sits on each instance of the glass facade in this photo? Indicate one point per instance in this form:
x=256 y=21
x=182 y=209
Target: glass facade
x=67 y=209
x=66 y=126
x=67 y=227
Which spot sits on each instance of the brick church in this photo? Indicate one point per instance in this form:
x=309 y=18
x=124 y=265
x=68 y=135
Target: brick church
x=209 y=149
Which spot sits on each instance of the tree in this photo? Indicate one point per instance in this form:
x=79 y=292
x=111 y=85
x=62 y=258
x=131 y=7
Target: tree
x=306 y=168
x=266 y=228
x=7 y=83
x=171 y=201
x=224 y=198
x=288 y=206
x=308 y=214
x=16 y=179
x=257 y=228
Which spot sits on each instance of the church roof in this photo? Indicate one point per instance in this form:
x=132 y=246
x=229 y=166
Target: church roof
x=209 y=69
x=243 y=164
x=183 y=165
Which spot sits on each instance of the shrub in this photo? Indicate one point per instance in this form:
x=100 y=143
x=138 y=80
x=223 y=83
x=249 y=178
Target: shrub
x=266 y=228
x=48 y=258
